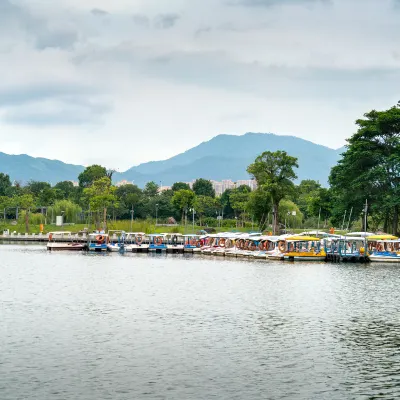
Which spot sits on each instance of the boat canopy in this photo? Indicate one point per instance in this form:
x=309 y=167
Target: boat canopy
x=302 y=239
x=382 y=237
x=60 y=233
x=363 y=234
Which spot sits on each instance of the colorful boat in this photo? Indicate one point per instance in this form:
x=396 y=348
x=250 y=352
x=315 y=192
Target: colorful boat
x=304 y=248
x=384 y=249
x=98 y=241
x=157 y=243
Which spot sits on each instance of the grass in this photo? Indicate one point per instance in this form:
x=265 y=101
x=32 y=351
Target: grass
x=146 y=226
x=137 y=226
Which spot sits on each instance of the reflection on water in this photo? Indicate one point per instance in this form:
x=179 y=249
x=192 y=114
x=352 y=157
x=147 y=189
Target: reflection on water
x=112 y=326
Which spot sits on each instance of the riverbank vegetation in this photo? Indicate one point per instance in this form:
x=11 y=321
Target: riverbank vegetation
x=368 y=173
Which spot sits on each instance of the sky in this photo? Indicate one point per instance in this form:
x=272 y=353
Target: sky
x=123 y=82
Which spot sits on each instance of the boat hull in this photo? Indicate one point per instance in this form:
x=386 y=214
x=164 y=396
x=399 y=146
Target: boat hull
x=385 y=259
x=305 y=258
x=66 y=246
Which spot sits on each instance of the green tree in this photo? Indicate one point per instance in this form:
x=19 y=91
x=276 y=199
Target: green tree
x=228 y=211
x=26 y=202
x=151 y=189
x=37 y=187
x=101 y=195
x=370 y=169
x=67 y=189
x=5 y=184
x=183 y=200
x=239 y=199
x=274 y=173
x=205 y=205
x=91 y=174
x=65 y=207
x=259 y=206
x=179 y=186
x=305 y=195
x=290 y=213
x=203 y=187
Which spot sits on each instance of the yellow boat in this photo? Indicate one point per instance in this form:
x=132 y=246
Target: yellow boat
x=304 y=248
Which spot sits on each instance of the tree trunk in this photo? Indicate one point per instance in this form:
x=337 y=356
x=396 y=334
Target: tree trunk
x=276 y=219
x=395 y=220
x=105 y=219
x=27 y=221
x=386 y=223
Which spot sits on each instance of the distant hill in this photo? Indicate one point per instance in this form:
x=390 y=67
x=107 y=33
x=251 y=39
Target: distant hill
x=24 y=168
x=227 y=157
x=223 y=157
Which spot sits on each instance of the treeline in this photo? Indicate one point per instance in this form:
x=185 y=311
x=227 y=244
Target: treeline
x=368 y=173
x=97 y=200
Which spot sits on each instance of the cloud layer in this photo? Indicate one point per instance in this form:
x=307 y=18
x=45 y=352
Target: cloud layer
x=130 y=81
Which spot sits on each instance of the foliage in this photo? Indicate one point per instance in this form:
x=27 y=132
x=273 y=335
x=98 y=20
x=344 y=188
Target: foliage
x=5 y=184
x=91 y=174
x=370 y=169
x=179 y=186
x=205 y=205
x=70 y=210
x=203 y=187
x=151 y=189
x=286 y=210
x=183 y=200
x=274 y=174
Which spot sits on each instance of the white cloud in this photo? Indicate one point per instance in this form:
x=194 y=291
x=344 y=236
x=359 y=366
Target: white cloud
x=124 y=82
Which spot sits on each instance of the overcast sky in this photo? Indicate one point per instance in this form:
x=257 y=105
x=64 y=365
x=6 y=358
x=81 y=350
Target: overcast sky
x=126 y=81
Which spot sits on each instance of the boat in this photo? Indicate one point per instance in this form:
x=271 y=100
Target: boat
x=157 y=243
x=175 y=242
x=345 y=248
x=267 y=246
x=191 y=243
x=98 y=241
x=57 y=241
x=304 y=248
x=384 y=249
x=136 y=242
x=118 y=246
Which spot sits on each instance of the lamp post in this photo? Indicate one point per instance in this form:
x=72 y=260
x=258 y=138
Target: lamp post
x=131 y=217
x=62 y=220
x=156 y=214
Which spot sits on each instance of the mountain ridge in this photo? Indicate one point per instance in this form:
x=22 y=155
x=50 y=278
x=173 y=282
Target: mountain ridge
x=222 y=157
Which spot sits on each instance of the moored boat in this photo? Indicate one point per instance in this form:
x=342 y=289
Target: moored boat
x=63 y=241
x=97 y=241
x=304 y=248
x=384 y=249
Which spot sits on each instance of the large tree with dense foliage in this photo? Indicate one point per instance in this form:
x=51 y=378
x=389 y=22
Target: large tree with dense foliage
x=370 y=169
x=91 y=174
x=183 y=200
x=101 y=195
x=203 y=187
x=274 y=172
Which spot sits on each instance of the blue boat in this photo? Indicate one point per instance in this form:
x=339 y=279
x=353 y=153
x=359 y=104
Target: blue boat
x=98 y=241
x=157 y=243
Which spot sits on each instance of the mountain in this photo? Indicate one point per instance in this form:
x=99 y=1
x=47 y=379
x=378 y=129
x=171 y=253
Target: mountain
x=227 y=157
x=24 y=168
x=223 y=157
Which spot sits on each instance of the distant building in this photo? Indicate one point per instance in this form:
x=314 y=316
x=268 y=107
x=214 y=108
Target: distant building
x=75 y=183
x=122 y=183
x=163 y=188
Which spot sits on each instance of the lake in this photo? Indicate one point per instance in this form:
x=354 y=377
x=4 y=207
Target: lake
x=111 y=326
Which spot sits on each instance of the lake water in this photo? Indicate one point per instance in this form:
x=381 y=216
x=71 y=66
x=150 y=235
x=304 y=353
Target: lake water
x=92 y=326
